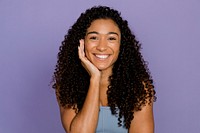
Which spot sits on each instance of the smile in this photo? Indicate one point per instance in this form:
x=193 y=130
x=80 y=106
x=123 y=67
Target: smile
x=102 y=56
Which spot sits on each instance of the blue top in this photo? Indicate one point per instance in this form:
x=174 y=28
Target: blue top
x=108 y=123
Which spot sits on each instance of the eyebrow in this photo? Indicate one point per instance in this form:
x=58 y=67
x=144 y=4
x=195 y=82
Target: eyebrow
x=94 y=32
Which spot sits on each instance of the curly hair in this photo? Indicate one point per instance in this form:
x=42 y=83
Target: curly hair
x=130 y=85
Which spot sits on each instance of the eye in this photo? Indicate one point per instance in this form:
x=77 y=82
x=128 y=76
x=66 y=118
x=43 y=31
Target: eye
x=93 y=38
x=112 y=38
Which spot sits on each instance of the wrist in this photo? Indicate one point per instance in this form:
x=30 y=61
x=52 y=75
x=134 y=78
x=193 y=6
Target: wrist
x=95 y=77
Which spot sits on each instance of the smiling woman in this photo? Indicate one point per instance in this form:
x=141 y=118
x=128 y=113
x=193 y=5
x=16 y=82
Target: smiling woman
x=101 y=79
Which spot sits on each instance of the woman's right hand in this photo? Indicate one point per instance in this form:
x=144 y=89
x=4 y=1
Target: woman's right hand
x=91 y=69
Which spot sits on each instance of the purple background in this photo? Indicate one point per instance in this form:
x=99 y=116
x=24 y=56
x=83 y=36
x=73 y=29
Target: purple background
x=31 y=32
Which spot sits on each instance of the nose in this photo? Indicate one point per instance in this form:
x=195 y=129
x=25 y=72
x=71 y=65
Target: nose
x=102 y=45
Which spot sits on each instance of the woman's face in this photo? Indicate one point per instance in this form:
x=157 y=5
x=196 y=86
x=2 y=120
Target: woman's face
x=102 y=43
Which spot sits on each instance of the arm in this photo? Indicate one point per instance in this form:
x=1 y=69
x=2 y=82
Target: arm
x=143 y=121
x=86 y=119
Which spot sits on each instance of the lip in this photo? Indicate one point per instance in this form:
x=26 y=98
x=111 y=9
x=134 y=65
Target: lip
x=102 y=56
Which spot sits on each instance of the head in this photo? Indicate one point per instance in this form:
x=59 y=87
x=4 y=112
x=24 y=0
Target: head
x=102 y=43
x=89 y=20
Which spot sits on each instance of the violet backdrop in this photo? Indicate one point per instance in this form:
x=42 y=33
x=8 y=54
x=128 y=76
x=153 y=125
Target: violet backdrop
x=31 y=32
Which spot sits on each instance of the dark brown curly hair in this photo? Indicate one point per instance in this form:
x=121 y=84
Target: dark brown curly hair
x=131 y=85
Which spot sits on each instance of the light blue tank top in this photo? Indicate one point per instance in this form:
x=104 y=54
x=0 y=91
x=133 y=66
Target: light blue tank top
x=108 y=123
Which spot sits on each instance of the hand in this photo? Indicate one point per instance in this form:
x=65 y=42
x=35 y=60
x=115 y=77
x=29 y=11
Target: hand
x=91 y=69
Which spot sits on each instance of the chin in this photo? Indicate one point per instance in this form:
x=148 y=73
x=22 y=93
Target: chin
x=103 y=68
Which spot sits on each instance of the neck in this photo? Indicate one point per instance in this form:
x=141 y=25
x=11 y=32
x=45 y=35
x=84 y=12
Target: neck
x=105 y=75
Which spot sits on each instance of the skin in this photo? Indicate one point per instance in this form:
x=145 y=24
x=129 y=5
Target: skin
x=98 y=52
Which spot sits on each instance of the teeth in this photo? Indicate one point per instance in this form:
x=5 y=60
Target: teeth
x=102 y=56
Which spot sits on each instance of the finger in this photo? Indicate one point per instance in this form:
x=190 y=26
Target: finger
x=82 y=47
x=81 y=41
x=79 y=49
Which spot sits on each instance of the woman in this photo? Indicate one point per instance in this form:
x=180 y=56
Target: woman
x=102 y=82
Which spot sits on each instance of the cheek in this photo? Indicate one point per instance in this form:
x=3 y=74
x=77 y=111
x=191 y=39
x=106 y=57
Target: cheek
x=88 y=46
x=86 y=50
x=117 y=51
x=116 y=48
